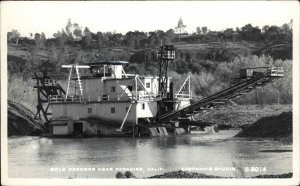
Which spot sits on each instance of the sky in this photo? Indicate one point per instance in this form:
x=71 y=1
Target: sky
x=49 y=17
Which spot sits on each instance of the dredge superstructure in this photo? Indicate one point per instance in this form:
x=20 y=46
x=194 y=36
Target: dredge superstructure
x=109 y=102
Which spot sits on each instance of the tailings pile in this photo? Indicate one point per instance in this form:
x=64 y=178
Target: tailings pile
x=183 y=174
x=280 y=126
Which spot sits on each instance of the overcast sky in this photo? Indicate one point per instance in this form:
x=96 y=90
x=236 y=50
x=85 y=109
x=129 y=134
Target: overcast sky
x=48 y=17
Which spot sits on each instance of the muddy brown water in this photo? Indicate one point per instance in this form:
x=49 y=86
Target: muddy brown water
x=218 y=154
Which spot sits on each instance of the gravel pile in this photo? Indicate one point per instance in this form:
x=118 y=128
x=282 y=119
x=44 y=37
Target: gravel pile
x=184 y=174
x=288 y=175
x=280 y=126
x=240 y=116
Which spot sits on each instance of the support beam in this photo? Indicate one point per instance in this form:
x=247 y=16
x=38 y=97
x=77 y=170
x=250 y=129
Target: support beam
x=69 y=80
x=121 y=127
x=75 y=65
x=125 y=89
x=144 y=87
x=217 y=102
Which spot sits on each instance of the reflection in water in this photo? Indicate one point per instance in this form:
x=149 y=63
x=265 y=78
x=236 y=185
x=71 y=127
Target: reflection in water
x=35 y=157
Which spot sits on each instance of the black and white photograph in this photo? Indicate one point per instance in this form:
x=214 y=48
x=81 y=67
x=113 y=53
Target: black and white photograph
x=150 y=92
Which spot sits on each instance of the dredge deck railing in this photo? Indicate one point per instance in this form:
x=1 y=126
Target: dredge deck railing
x=242 y=87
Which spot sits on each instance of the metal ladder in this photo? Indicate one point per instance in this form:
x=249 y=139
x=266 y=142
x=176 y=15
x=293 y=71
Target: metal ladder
x=78 y=80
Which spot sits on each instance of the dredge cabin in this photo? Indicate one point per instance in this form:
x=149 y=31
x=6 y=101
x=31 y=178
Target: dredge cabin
x=108 y=102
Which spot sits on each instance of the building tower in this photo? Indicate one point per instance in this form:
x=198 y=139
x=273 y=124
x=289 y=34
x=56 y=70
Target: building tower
x=166 y=54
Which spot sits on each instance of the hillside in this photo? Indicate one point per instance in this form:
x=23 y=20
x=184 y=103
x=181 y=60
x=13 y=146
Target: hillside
x=210 y=58
x=193 y=57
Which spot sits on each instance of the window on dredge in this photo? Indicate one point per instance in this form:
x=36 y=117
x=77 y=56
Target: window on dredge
x=113 y=89
x=90 y=110
x=148 y=85
x=113 y=110
x=143 y=106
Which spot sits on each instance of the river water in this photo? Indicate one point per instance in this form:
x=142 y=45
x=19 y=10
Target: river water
x=218 y=154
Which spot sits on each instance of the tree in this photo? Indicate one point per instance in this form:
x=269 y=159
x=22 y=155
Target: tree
x=87 y=37
x=256 y=32
x=53 y=57
x=228 y=33
x=170 y=35
x=14 y=36
x=102 y=40
x=265 y=28
x=37 y=39
x=116 y=39
x=246 y=32
x=70 y=29
x=236 y=35
x=77 y=31
x=204 y=30
x=57 y=34
x=130 y=40
x=153 y=39
x=286 y=32
x=198 y=30
x=273 y=32
x=140 y=38
x=136 y=39
x=61 y=36
x=247 y=28
x=161 y=36
x=43 y=38
x=285 y=28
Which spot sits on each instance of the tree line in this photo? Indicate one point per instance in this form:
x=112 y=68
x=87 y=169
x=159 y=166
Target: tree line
x=139 y=48
x=74 y=34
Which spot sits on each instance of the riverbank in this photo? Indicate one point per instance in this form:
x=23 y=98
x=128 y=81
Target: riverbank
x=186 y=174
